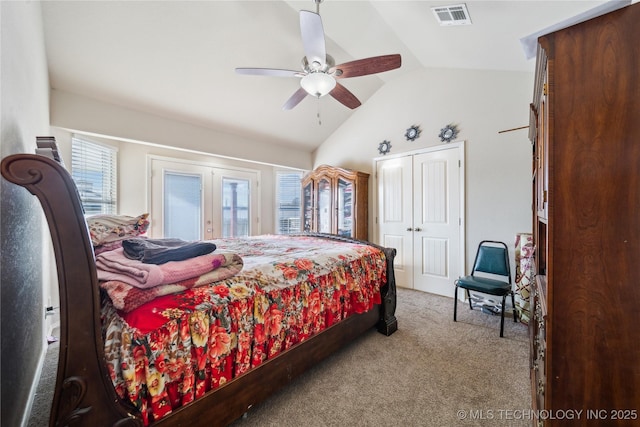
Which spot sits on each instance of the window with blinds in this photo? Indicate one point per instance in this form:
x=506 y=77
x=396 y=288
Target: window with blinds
x=288 y=202
x=93 y=168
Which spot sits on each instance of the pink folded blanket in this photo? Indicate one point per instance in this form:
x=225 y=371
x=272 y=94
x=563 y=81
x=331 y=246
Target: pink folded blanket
x=126 y=297
x=114 y=265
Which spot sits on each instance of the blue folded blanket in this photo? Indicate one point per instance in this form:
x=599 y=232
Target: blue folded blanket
x=160 y=251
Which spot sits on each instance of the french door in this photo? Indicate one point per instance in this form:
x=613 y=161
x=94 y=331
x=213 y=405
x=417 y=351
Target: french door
x=420 y=213
x=194 y=201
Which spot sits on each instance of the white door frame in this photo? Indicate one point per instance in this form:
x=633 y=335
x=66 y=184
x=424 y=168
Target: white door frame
x=256 y=196
x=458 y=145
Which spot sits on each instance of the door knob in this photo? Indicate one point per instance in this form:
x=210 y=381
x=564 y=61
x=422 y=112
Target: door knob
x=409 y=229
x=418 y=229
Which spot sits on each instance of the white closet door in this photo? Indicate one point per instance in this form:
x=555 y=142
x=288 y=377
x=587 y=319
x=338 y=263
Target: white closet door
x=420 y=214
x=437 y=221
x=395 y=214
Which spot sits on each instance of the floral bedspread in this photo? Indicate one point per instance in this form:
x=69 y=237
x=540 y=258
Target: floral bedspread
x=172 y=350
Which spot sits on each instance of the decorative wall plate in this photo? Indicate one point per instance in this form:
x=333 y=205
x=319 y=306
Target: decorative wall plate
x=448 y=133
x=412 y=133
x=384 y=147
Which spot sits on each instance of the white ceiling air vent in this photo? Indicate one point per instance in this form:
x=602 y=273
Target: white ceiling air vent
x=452 y=15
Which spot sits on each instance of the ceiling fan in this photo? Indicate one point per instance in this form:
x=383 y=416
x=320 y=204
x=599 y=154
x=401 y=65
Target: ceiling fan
x=319 y=73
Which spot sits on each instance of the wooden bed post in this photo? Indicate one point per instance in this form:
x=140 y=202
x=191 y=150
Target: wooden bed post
x=388 y=323
x=84 y=381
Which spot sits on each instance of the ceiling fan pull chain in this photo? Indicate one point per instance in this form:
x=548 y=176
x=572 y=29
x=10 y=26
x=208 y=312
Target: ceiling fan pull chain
x=319 y=120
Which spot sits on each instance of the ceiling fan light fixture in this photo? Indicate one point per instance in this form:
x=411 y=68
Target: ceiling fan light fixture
x=318 y=84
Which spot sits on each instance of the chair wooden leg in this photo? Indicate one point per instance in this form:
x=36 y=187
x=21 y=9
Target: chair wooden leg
x=504 y=299
x=513 y=302
x=455 y=305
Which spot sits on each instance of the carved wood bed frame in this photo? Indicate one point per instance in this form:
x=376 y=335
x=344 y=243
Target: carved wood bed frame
x=84 y=393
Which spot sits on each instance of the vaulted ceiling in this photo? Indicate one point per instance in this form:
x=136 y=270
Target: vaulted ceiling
x=178 y=58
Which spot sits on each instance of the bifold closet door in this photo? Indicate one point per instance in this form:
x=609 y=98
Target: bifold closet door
x=420 y=214
x=436 y=221
x=395 y=214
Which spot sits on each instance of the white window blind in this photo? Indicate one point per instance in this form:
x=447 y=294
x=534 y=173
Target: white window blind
x=182 y=206
x=93 y=168
x=288 y=211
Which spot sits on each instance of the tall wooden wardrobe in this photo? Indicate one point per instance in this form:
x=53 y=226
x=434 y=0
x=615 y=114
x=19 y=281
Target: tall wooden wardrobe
x=585 y=126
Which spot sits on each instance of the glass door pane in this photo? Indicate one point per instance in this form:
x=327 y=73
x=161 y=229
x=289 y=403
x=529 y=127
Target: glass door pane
x=345 y=208
x=182 y=206
x=235 y=207
x=324 y=206
x=307 y=207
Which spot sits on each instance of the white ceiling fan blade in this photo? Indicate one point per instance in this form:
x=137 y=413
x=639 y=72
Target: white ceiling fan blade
x=273 y=72
x=313 y=37
x=295 y=99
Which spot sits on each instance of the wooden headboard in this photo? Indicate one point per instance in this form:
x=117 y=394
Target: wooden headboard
x=78 y=285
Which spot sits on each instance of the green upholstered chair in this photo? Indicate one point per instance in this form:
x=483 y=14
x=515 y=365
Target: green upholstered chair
x=491 y=275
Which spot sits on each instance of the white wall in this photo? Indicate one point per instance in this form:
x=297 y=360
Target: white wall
x=480 y=103
x=133 y=173
x=78 y=113
x=26 y=274
x=139 y=134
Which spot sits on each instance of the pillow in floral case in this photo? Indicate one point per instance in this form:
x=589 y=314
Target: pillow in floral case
x=112 y=228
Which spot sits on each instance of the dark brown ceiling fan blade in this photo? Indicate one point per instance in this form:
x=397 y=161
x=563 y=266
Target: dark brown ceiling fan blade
x=272 y=72
x=363 y=67
x=312 y=33
x=345 y=97
x=295 y=99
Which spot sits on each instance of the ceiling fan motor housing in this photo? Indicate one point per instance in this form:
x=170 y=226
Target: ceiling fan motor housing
x=316 y=66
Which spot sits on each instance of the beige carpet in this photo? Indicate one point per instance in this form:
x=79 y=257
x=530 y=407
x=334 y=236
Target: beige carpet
x=431 y=372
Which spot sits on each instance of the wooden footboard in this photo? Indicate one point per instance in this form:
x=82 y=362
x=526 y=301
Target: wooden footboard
x=84 y=393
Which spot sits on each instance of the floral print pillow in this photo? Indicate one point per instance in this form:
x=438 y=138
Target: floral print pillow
x=112 y=228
